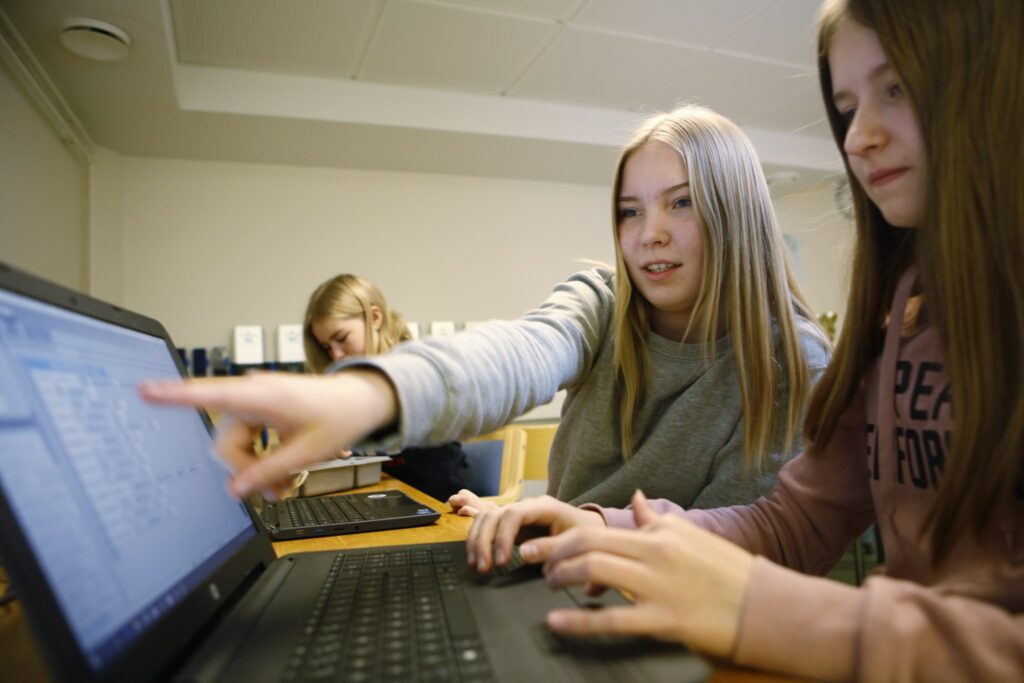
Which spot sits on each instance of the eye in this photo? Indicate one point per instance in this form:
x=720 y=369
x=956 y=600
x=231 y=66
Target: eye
x=682 y=203
x=895 y=90
x=847 y=115
x=628 y=212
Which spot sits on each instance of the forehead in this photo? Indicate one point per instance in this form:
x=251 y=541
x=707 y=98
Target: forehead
x=654 y=167
x=855 y=55
x=325 y=328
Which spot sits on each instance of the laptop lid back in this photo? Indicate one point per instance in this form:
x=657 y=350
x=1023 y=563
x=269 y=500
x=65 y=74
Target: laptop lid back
x=115 y=524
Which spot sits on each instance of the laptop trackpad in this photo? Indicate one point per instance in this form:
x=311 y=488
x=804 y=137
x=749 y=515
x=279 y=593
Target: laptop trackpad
x=520 y=644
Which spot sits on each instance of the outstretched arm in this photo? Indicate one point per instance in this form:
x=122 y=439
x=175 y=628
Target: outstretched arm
x=316 y=417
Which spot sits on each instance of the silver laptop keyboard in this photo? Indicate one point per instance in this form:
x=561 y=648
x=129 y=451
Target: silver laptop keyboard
x=391 y=615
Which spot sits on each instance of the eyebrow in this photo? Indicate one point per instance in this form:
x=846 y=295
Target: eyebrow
x=667 y=190
x=872 y=75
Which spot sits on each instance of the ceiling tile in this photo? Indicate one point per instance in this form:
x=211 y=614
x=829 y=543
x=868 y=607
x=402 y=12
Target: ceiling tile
x=730 y=85
x=696 y=22
x=438 y=46
x=602 y=69
x=544 y=9
x=265 y=35
x=786 y=32
x=796 y=110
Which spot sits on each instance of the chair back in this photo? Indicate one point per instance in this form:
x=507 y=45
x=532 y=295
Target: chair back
x=496 y=461
x=538 y=448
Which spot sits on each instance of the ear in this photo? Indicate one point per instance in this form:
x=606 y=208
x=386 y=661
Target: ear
x=376 y=317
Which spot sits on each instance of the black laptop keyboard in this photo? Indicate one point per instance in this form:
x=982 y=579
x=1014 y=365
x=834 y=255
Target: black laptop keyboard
x=323 y=510
x=391 y=615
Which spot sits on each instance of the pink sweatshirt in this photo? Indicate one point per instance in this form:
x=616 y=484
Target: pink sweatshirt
x=964 y=621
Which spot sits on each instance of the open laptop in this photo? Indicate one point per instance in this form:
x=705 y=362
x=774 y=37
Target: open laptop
x=345 y=513
x=133 y=563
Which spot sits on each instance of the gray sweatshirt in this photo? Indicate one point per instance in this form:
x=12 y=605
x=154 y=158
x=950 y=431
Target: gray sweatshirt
x=689 y=427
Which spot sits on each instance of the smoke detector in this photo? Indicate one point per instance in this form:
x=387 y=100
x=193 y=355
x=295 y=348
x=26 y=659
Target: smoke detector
x=94 y=39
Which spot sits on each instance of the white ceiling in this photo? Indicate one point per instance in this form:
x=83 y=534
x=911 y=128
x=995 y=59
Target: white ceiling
x=542 y=89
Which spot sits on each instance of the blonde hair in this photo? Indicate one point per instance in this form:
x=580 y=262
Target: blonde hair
x=958 y=62
x=350 y=296
x=745 y=267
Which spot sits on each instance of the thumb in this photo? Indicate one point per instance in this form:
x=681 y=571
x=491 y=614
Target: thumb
x=643 y=513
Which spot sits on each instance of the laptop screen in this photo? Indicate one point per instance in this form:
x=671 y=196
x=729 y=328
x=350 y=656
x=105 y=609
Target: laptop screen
x=123 y=503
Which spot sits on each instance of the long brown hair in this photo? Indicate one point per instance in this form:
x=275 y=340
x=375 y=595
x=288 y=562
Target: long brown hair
x=350 y=296
x=745 y=267
x=959 y=63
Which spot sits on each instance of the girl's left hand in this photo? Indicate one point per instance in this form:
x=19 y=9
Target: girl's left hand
x=468 y=504
x=687 y=583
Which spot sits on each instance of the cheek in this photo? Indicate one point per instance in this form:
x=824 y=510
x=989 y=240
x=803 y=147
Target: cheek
x=692 y=241
x=627 y=237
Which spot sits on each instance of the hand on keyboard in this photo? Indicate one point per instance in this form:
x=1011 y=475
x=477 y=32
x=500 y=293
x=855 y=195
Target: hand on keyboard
x=513 y=571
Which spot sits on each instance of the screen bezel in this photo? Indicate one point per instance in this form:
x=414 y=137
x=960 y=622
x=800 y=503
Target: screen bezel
x=167 y=642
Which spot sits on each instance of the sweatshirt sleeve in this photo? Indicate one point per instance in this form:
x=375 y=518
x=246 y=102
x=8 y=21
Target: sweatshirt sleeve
x=480 y=379
x=886 y=630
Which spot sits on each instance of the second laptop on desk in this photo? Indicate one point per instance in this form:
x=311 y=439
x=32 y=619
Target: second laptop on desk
x=340 y=514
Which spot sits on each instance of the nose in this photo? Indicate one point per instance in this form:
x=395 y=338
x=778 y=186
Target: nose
x=335 y=352
x=864 y=133
x=653 y=232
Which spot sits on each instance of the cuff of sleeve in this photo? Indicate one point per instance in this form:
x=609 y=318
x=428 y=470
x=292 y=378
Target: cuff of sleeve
x=798 y=624
x=613 y=517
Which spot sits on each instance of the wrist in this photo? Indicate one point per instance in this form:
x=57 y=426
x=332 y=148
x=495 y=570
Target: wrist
x=378 y=399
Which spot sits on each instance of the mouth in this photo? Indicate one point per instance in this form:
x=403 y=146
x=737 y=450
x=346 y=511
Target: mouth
x=658 y=267
x=885 y=176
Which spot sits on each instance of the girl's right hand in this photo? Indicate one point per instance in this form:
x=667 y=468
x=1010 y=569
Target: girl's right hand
x=497 y=530
x=316 y=417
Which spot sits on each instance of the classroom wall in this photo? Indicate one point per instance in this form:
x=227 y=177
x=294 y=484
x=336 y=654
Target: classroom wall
x=825 y=240
x=209 y=245
x=43 y=192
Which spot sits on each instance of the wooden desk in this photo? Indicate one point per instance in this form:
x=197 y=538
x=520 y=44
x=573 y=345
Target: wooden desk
x=20 y=659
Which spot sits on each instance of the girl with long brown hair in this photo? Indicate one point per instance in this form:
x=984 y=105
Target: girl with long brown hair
x=925 y=100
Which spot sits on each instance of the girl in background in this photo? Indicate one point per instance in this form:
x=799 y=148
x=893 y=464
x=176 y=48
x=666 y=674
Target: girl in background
x=348 y=316
x=686 y=371
x=925 y=100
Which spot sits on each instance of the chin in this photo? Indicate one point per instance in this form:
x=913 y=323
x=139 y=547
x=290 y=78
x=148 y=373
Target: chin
x=900 y=214
x=900 y=219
